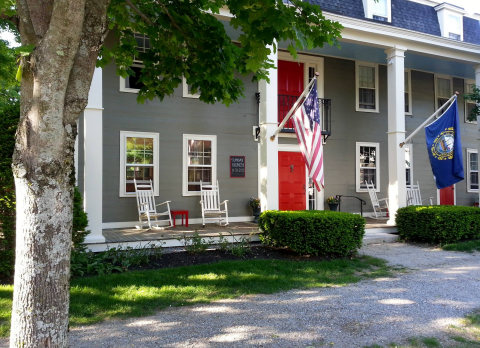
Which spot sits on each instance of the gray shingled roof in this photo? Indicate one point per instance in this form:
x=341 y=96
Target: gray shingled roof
x=415 y=16
x=405 y=14
x=471 y=30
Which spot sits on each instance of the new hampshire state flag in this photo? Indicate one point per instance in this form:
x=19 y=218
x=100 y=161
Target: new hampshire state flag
x=445 y=148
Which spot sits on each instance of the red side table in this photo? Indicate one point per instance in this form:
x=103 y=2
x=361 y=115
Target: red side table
x=182 y=213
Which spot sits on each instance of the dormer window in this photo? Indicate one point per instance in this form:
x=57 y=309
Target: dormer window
x=380 y=10
x=450 y=18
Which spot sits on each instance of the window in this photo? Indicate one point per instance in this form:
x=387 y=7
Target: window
x=139 y=160
x=443 y=89
x=187 y=90
x=472 y=164
x=132 y=83
x=408 y=164
x=469 y=104
x=450 y=20
x=380 y=10
x=367 y=87
x=455 y=27
x=312 y=195
x=408 y=92
x=199 y=162
x=367 y=165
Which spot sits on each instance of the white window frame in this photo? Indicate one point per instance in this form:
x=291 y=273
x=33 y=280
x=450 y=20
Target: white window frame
x=357 y=82
x=186 y=138
x=368 y=6
x=470 y=151
x=410 y=146
x=444 y=11
x=409 y=75
x=186 y=93
x=123 y=158
x=357 y=165
x=446 y=77
x=468 y=83
x=137 y=63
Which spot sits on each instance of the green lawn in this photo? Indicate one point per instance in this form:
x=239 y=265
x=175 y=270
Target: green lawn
x=469 y=247
x=134 y=294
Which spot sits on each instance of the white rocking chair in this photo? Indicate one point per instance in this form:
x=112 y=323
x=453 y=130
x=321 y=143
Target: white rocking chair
x=210 y=202
x=414 y=197
x=147 y=209
x=378 y=204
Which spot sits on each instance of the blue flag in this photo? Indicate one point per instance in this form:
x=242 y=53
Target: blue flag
x=445 y=148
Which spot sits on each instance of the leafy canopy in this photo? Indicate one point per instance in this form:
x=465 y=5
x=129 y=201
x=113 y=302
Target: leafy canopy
x=187 y=40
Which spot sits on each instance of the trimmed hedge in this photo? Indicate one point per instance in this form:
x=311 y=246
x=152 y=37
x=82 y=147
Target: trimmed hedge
x=438 y=224
x=313 y=231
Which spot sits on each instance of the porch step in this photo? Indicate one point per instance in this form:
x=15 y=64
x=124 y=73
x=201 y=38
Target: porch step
x=378 y=235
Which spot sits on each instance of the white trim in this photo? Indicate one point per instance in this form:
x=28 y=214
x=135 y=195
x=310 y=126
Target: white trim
x=357 y=101
x=468 y=82
x=164 y=243
x=410 y=105
x=186 y=94
x=470 y=151
x=123 y=155
x=410 y=146
x=186 y=137
x=93 y=158
x=445 y=77
x=357 y=165
x=132 y=224
x=122 y=82
x=378 y=34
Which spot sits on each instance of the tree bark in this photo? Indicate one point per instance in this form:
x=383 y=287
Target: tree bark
x=55 y=83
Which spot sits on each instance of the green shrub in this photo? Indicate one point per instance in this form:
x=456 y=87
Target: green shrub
x=438 y=224
x=313 y=232
x=79 y=223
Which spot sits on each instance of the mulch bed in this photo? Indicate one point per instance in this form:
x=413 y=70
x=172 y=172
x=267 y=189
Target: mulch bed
x=256 y=252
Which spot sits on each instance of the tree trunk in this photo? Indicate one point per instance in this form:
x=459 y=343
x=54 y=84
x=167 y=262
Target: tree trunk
x=56 y=78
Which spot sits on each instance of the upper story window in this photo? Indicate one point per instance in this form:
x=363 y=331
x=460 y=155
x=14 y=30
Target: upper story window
x=367 y=86
x=132 y=83
x=187 y=90
x=450 y=19
x=443 y=89
x=469 y=104
x=380 y=10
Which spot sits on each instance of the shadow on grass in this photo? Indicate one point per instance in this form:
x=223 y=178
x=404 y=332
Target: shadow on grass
x=141 y=293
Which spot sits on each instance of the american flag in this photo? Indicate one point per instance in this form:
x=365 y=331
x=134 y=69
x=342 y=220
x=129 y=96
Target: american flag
x=309 y=134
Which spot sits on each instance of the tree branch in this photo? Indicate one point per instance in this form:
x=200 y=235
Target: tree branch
x=140 y=13
x=171 y=19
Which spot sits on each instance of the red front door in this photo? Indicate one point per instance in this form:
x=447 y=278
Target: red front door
x=290 y=86
x=447 y=195
x=291 y=181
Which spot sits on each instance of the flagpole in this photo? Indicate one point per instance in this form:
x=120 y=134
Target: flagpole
x=428 y=120
x=294 y=107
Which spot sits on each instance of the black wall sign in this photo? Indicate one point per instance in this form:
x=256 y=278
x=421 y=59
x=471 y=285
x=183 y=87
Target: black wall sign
x=237 y=166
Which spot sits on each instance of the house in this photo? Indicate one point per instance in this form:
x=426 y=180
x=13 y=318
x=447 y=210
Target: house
x=399 y=60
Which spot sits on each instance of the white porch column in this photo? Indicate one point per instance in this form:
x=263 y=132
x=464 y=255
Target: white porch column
x=93 y=168
x=477 y=82
x=396 y=131
x=268 y=155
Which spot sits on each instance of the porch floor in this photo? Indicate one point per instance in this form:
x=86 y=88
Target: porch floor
x=123 y=235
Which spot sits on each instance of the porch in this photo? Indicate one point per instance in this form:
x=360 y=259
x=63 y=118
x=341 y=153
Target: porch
x=376 y=231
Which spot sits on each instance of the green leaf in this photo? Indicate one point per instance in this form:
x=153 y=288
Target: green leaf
x=25 y=50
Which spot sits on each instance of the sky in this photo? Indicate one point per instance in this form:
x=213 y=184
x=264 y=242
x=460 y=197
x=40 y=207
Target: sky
x=471 y=6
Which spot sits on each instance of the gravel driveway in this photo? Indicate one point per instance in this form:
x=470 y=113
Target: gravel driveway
x=438 y=289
